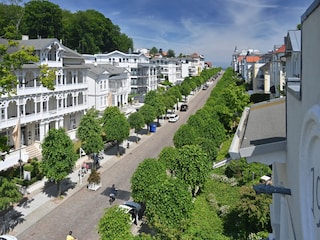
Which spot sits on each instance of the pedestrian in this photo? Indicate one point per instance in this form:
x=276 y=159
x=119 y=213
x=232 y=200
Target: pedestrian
x=70 y=237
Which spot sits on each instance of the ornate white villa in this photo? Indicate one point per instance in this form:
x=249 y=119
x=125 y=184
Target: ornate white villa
x=78 y=87
x=39 y=108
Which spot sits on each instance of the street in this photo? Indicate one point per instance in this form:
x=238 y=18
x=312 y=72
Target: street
x=81 y=211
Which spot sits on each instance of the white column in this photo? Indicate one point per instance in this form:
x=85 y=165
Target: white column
x=43 y=127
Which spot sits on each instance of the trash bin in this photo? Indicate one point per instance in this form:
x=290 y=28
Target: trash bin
x=153 y=127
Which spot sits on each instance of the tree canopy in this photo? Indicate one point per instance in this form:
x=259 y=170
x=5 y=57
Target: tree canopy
x=185 y=135
x=168 y=208
x=58 y=156
x=42 y=19
x=114 y=224
x=9 y=194
x=85 y=31
x=149 y=172
x=149 y=114
x=115 y=125
x=193 y=166
x=89 y=132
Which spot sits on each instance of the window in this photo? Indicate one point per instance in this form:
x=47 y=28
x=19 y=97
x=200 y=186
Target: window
x=103 y=101
x=37 y=131
x=72 y=121
x=44 y=106
x=2 y=114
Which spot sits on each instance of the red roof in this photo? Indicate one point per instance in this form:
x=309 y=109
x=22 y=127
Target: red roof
x=281 y=49
x=252 y=59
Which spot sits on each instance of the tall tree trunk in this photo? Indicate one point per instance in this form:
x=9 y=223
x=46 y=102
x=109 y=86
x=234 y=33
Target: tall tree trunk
x=118 y=149
x=59 y=188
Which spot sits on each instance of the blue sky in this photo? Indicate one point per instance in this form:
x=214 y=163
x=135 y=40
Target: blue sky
x=212 y=28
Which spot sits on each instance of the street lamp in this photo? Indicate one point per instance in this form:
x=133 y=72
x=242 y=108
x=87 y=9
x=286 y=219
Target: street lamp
x=80 y=173
x=20 y=164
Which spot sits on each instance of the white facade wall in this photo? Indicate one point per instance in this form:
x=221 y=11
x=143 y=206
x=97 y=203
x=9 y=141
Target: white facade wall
x=297 y=216
x=141 y=80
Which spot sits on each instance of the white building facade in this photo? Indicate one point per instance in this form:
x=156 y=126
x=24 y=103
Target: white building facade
x=143 y=75
x=107 y=86
x=38 y=108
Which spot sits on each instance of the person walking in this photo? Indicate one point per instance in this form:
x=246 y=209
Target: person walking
x=70 y=237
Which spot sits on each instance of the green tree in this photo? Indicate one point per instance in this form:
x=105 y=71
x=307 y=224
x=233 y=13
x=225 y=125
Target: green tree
x=235 y=99
x=192 y=167
x=89 y=132
x=115 y=224
x=208 y=146
x=185 y=91
x=149 y=114
x=175 y=94
x=58 y=156
x=169 y=101
x=169 y=207
x=42 y=19
x=153 y=51
x=91 y=32
x=9 y=193
x=149 y=172
x=4 y=147
x=136 y=121
x=89 y=123
x=155 y=100
x=10 y=16
x=207 y=126
x=168 y=156
x=115 y=126
x=170 y=53
x=185 y=135
x=250 y=215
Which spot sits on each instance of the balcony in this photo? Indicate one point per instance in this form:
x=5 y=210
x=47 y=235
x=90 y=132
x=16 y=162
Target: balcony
x=35 y=117
x=294 y=87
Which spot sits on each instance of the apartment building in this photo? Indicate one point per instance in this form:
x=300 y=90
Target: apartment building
x=169 y=69
x=142 y=74
x=107 y=86
x=289 y=139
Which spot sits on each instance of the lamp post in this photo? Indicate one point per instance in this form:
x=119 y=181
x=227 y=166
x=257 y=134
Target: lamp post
x=20 y=165
x=80 y=173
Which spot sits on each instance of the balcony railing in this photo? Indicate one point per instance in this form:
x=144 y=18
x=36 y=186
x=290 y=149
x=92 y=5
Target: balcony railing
x=294 y=86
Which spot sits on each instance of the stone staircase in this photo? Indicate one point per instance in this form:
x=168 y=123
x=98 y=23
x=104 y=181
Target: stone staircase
x=34 y=151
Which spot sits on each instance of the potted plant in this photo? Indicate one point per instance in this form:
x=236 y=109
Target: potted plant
x=94 y=180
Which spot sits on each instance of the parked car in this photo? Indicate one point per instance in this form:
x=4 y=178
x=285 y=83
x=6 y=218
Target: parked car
x=183 y=107
x=8 y=237
x=133 y=209
x=205 y=87
x=173 y=118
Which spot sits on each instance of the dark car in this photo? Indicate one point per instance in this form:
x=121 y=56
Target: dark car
x=184 y=107
x=205 y=87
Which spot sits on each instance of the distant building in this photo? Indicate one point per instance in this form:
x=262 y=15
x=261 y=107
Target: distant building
x=142 y=74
